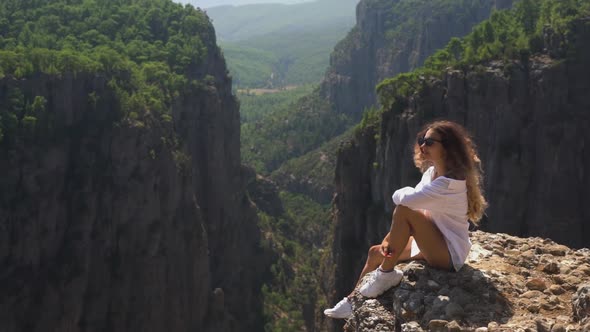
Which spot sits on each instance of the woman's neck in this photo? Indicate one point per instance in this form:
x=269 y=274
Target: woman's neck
x=439 y=169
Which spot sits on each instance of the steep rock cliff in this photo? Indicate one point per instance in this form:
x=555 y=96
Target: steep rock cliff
x=392 y=37
x=529 y=120
x=127 y=225
x=208 y=124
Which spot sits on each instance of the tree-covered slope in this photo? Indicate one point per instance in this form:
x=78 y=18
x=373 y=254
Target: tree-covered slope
x=250 y=67
x=216 y=3
x=148 y=50
x=290 y=56
x=290 y=131
x=234 y=23
x=296 y=40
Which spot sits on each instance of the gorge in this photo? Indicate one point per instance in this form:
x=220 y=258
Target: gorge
x=124 y=204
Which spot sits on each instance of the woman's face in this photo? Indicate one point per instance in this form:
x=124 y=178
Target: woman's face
x=431 y=148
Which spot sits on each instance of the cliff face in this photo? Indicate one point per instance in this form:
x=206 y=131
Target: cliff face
x=393 y=37
x=209 y=125
x=529 y=120
x=126 y=225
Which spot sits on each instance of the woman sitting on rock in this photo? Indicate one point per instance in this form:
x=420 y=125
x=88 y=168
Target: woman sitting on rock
x=430 y=220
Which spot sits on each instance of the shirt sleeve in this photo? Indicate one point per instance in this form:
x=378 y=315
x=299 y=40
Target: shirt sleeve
x=430 y=196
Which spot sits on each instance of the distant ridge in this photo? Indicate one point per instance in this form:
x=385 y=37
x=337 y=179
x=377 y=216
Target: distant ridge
x=213 y=3
x=234 y=23
x=275 y=45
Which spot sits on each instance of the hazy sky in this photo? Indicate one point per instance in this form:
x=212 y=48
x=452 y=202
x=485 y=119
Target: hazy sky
x=212 y=3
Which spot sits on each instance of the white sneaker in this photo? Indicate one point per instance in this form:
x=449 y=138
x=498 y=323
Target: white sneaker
x=342 y=309
x=380 y=281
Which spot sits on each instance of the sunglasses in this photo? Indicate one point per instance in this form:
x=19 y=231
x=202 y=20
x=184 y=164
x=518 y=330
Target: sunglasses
x=427 y=141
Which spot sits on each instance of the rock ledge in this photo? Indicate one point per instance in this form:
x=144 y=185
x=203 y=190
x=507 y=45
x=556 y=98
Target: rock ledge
x=507 y=284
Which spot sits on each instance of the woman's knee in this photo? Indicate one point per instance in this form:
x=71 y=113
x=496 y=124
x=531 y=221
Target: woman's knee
x=401 y=210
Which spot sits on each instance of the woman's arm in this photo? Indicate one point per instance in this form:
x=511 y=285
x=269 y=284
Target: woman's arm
x=431 y=196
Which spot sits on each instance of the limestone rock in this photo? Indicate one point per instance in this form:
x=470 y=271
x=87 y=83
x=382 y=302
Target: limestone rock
x=581 y=303
x=551 y=268
x=371 y=315
x=411 y=327
x=438 y=325
x=485 y=295
x=556 y=289
x=536 y=284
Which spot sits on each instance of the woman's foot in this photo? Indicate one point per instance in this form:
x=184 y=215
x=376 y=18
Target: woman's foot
x=342 y=309
x=380 y=281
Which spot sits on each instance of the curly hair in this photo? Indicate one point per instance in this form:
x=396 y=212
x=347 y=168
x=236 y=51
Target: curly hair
x=461 y=161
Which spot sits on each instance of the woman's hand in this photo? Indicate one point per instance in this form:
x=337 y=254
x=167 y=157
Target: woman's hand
x=385 y=248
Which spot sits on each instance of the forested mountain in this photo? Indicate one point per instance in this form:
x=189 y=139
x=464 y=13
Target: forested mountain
x=518 y=83
x=119 y=149
x=156 y=50
x=283 y=58
x=233 y=23
x=276 y=45
x=214 y=3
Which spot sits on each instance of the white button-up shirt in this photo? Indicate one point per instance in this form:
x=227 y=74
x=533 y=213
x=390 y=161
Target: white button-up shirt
x=445 y=202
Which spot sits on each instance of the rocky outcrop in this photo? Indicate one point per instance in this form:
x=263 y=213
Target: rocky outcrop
x=392 y=37
x=581 y=305
x=528 y=119
x=508 y=284
x=109 y=224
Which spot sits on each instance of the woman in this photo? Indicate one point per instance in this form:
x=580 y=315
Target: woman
x=430 y=220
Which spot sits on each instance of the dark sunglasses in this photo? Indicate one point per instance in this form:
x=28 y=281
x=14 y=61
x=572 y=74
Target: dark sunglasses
x=428 y=141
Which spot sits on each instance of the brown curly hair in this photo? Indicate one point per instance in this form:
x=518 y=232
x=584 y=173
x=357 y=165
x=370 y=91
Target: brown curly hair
x=461 y=161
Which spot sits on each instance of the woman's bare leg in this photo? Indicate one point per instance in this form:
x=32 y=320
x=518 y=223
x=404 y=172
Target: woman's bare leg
x=374 y=259
x=407 y=222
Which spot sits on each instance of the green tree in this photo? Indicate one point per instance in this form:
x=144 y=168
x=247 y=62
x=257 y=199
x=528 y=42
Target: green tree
x=38 y=105
x=9 y=124
x=488 y=32
x=455 y=48
x=29 y=124
x=527 y=13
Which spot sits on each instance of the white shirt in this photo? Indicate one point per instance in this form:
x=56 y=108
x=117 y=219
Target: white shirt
x=445 y=201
